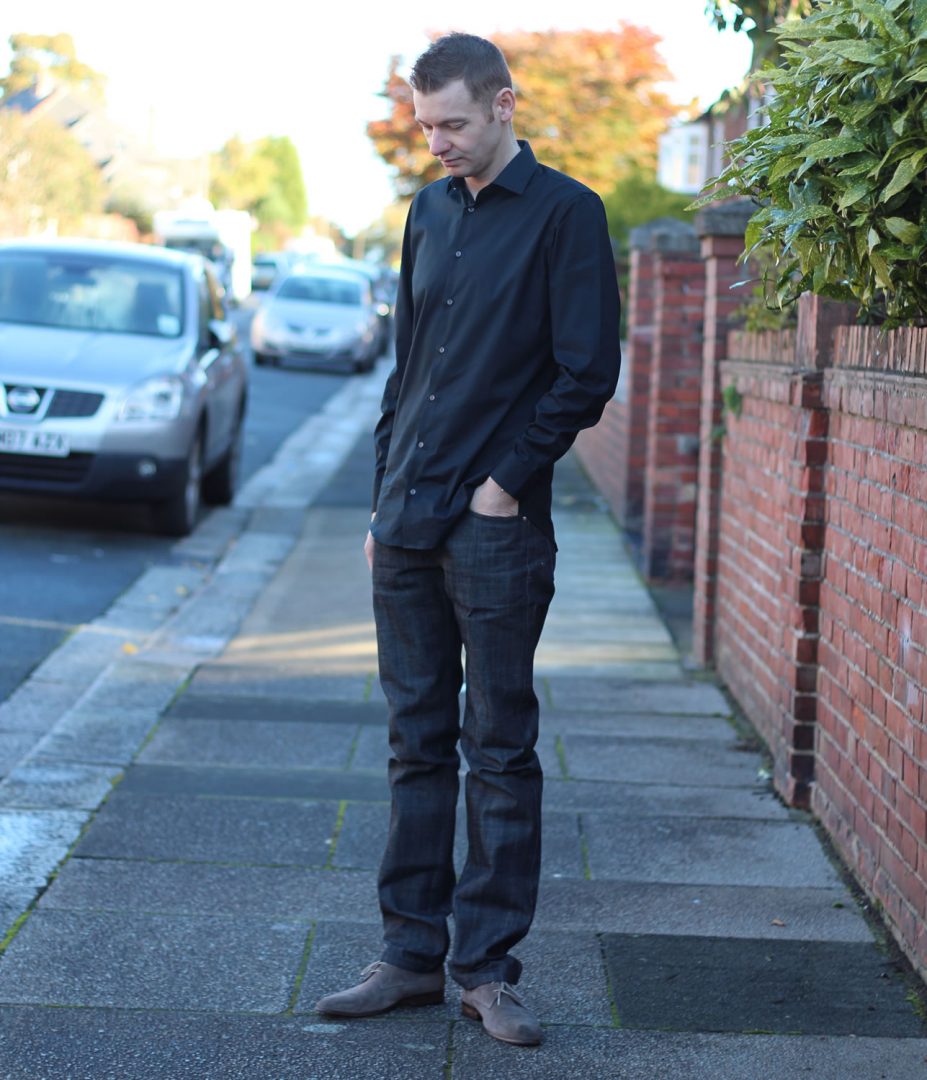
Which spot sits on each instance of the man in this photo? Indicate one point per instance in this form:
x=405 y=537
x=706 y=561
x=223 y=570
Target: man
x=506 y=346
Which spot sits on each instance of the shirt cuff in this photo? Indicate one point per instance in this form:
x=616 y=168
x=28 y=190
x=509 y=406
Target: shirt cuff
x=512 y=474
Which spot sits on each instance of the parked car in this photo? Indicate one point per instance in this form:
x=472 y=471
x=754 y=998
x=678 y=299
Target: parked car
x=120 y=377
x=321 y=316
x=383 y=283
x=267 y=267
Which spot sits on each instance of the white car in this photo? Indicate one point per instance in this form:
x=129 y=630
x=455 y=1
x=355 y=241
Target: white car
x=322 y=317
x=120 y=377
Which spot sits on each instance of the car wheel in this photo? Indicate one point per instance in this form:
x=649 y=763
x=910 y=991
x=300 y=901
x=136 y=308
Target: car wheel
x=177 y=515
x=261 y=359
x=221 y=483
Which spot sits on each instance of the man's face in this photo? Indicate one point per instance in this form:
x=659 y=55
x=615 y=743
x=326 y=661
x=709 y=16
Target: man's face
x=461 y=132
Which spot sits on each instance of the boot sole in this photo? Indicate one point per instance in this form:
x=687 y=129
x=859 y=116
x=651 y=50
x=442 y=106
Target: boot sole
x=436 y=997
x=474 y=1014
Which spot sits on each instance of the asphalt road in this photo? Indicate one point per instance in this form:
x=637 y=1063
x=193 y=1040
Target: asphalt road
x=63 y=563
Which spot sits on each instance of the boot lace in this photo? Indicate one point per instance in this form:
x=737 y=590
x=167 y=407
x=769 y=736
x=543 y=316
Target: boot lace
x=505 y=988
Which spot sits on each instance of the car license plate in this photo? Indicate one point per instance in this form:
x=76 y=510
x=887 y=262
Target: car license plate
x=40 y=443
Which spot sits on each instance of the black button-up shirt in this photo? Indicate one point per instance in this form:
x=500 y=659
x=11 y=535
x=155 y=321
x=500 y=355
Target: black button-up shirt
x=506 y=346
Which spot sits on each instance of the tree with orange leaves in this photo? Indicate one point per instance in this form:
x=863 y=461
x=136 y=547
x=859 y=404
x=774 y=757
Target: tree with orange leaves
x=589 y=102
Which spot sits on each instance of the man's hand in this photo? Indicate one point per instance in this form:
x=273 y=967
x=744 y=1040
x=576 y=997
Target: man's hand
x=369 y=546
x=491 y=500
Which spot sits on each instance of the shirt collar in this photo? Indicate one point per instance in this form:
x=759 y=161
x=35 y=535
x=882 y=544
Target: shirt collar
x=514 y=177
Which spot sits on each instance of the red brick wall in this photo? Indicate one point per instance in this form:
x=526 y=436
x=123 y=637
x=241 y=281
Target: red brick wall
x=721 y=303
x=752 y=611
x=674 y=401
x=821 y=630
x=614 y=453
x=871 y=776
x=603 y=451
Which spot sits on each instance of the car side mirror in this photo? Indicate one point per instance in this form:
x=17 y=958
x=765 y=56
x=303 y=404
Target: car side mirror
x=221 y=332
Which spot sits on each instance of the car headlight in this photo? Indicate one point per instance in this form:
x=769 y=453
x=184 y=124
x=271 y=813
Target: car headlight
x=155 y=399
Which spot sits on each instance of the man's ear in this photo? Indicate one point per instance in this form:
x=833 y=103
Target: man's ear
x=505 y=104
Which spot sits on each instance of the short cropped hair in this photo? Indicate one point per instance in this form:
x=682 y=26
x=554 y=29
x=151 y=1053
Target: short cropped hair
x=454 y=56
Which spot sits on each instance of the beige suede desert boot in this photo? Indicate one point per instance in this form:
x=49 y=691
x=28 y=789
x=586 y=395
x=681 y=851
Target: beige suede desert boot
x=382 y=987
x=502 y=1012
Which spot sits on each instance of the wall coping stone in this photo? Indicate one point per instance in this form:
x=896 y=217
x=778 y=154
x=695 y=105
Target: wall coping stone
x=727 y=218
x=665 y=235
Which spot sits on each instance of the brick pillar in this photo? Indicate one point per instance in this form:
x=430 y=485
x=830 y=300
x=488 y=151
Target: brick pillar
x=805 y=523
x=636 y=376
x=673 y=404
x=721 y=229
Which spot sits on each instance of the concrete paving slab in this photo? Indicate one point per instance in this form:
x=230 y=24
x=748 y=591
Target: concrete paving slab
x=207 y=889
x=32 y=844
x=152 y=962
x=596 y=1054
x=680 y=983
x=630 y=725
x=362 y=837
x=697 y=763
x=240 y=707
x=737 y=911
x=279 y=683
x=606 y=695
x=706 y=852
x=42 y=784
x=280 y=521
x=260 y=743
x=663 y=800
x=371 y=749
x=304 y=784
x=258 y=831
x=107 y=1044
x=563 y=978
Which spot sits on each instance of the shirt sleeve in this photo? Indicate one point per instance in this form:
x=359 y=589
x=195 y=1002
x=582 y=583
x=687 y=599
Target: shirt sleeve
x=403 y=337
x=584 y=318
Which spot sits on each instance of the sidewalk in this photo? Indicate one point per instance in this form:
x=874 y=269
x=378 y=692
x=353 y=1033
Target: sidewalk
x=689 y=925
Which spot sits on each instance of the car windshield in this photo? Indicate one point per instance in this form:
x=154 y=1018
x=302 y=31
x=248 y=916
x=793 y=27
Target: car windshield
x=320 y=290
x=77 y=291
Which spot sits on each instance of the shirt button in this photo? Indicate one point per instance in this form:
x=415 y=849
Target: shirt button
x=470 y=209
x=450 y=302
x=431 y=397
x=457 y=254
x=411 y=491
x=421 y=445
x=440 y=348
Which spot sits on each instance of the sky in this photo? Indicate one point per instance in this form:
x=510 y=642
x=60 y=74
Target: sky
x=191 y=73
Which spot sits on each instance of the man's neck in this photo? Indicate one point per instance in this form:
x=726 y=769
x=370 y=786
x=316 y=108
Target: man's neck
x=475 y=184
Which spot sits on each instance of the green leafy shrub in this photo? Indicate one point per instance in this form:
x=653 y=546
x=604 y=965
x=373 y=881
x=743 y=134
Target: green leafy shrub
x=840 y=169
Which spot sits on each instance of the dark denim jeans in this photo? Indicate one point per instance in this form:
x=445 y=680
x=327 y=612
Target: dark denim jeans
x=487 y=589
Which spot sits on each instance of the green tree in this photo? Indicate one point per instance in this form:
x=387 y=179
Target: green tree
x=589 y=102
x=285 y=200
x=239 y=177
x=46 y=177
x=35 y=55
x=265 y=178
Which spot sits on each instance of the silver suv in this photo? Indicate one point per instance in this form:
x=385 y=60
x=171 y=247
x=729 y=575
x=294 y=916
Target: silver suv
x=120 y=377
